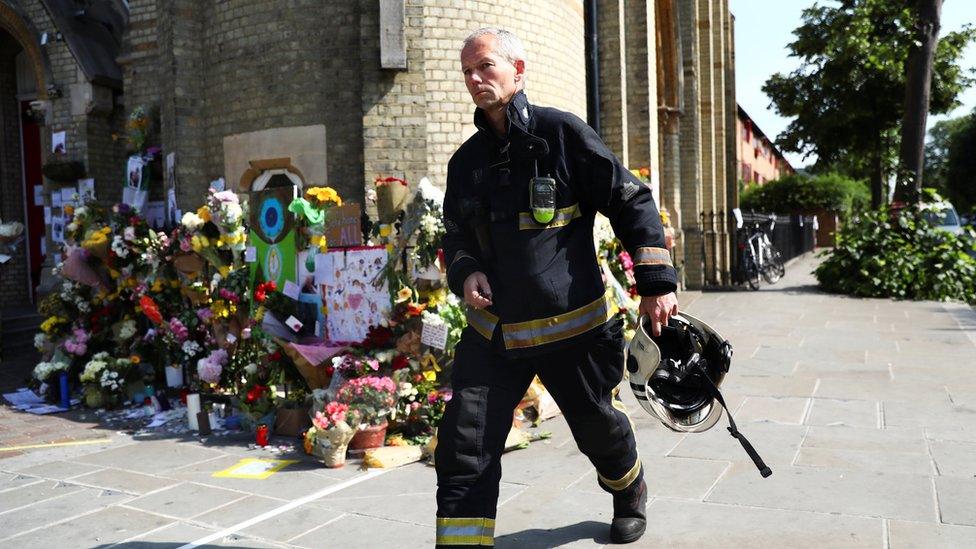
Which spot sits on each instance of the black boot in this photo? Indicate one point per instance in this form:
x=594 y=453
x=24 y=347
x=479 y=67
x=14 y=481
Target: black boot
x=629 y=515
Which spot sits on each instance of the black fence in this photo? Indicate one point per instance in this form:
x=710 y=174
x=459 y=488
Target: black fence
x=792 y=235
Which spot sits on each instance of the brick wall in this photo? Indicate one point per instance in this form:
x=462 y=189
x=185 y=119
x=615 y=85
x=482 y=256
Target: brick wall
x=13 y=274
x=555 y=69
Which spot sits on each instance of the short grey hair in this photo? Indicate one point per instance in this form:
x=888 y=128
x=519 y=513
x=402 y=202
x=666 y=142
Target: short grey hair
x=507 y=44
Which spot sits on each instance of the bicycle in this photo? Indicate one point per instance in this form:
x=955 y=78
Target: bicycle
x=760 y=258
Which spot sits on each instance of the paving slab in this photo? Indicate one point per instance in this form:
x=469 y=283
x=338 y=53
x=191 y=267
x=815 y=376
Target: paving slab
x=954 y=458
x=782 y=386
x=872 y=494
x=925 y=535
x=178 y=534
x=956 y=500
x=59 y=470
x=866 y=460
x=777 y=444
x=293 y=523
x=124 y=481
x=782 y=410
x=852 y=413
x=46 y=512
x=156 y=456
x=239 y=511
x=186 y=500
x=351 y=530
x=293 y=481
x=33 y=493
x=9 y=481
x=890 y=439
x=679 y=525
x=101 y=528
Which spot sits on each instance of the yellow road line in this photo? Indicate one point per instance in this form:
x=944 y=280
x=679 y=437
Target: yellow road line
x=55 y=444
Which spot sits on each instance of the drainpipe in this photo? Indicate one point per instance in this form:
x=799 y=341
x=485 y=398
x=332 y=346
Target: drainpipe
x=590 y=16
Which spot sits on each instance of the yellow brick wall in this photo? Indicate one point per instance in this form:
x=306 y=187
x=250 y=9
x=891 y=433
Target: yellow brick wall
x=552 y=32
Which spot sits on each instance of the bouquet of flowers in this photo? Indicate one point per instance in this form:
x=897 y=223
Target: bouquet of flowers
x=373 y=397
x=106 y=378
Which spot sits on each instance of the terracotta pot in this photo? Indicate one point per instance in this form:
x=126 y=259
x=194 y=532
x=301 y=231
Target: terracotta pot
x=372 y=436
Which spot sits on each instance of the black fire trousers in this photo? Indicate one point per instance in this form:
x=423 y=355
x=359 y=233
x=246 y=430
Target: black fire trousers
x=487 y=388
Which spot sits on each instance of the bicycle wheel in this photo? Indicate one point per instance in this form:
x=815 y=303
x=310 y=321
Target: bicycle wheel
x=777 y=261
x=771 y=272
x=751 y=272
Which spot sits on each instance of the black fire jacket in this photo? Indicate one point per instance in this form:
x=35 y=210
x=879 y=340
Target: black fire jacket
x=547 y=288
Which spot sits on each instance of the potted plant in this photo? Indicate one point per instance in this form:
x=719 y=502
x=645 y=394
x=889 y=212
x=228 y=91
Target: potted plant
x=374 y=398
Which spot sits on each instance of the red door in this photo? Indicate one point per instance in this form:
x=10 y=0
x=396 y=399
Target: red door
x=31 y=146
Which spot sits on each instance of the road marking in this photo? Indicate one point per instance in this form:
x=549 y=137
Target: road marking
x=56 y=444
x=284 y=508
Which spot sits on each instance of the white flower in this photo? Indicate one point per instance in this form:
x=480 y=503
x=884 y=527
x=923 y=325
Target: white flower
x=43 y=370
x=428 y=191
x=119 y=246
x=432 y=319
x=230 y=213
x=192 y=221
x=371 y=195
x=129 y=233
x=40 y=340
x=251 y=368
x=191 y=348
x=127 y=330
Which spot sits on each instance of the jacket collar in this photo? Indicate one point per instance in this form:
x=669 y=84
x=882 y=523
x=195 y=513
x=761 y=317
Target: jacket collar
x=518 y=112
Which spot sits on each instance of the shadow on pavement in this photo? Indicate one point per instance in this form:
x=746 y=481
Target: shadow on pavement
x=538 y=538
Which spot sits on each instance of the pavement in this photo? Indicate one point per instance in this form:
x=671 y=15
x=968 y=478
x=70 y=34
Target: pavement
x=864 y=409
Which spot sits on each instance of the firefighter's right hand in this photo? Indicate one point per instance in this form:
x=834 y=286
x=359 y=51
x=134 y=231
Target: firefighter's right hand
x=477 y=292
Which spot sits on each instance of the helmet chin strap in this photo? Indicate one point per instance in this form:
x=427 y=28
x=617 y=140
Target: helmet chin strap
x=764 y=469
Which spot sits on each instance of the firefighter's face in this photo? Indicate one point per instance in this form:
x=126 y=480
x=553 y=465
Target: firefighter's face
x=490 y=78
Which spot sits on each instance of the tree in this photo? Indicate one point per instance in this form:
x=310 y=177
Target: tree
x=917 y=92
x=950 y=165
x=846 y=98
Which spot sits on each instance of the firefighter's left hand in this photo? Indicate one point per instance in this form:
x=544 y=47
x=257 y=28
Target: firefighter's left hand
x=659 y=309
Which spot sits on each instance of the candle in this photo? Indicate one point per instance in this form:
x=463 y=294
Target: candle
x=192 y=409
x=174 y=377
x=262 y=435
x=65 y=394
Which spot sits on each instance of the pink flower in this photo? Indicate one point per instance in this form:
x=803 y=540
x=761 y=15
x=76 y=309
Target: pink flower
x=625 y=261
x=179 y=330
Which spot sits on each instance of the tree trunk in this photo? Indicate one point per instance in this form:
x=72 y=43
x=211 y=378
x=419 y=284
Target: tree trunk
x=877 y=172
x=917 y=91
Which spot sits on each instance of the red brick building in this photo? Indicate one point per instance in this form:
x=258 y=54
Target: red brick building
x=757 y=158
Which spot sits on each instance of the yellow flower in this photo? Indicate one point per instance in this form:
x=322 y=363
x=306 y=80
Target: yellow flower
x=385 y=230
x=113 y=273
x=157 y=285
x=220 y=309
x=135 y=359
x=259 y=314
x=430 y=375
x=48 y=325
x=224 y=271
x=324 y=195
x=204 y=213
x=199 y=242
x=321 y=241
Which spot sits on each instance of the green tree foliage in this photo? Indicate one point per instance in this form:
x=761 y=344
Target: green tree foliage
x=898 y=254
x=800 y=193
x=847 y=96
x=950 y=161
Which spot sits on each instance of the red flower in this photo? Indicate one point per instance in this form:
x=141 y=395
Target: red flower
x=381 y=181
x=377 y=337
x=150 y=309
x=255 y=393
x=401 y=362
x=414 y=309
x=275 y=356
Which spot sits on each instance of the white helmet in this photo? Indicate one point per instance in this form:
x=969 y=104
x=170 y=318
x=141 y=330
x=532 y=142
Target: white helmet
x=676 y=376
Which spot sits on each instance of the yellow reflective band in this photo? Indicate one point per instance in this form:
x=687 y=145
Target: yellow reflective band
x=557 y=328
x=562 y=217
x=465 y=531
x=482 y=321
x=624 y=481
x=652 y=256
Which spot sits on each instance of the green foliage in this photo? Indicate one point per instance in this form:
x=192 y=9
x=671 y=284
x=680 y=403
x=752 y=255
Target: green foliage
x=800 y=193
x=950 y=165
x=846 y=98
x=899 y=255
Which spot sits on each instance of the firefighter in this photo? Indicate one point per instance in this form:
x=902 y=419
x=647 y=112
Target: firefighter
x=521 y=197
